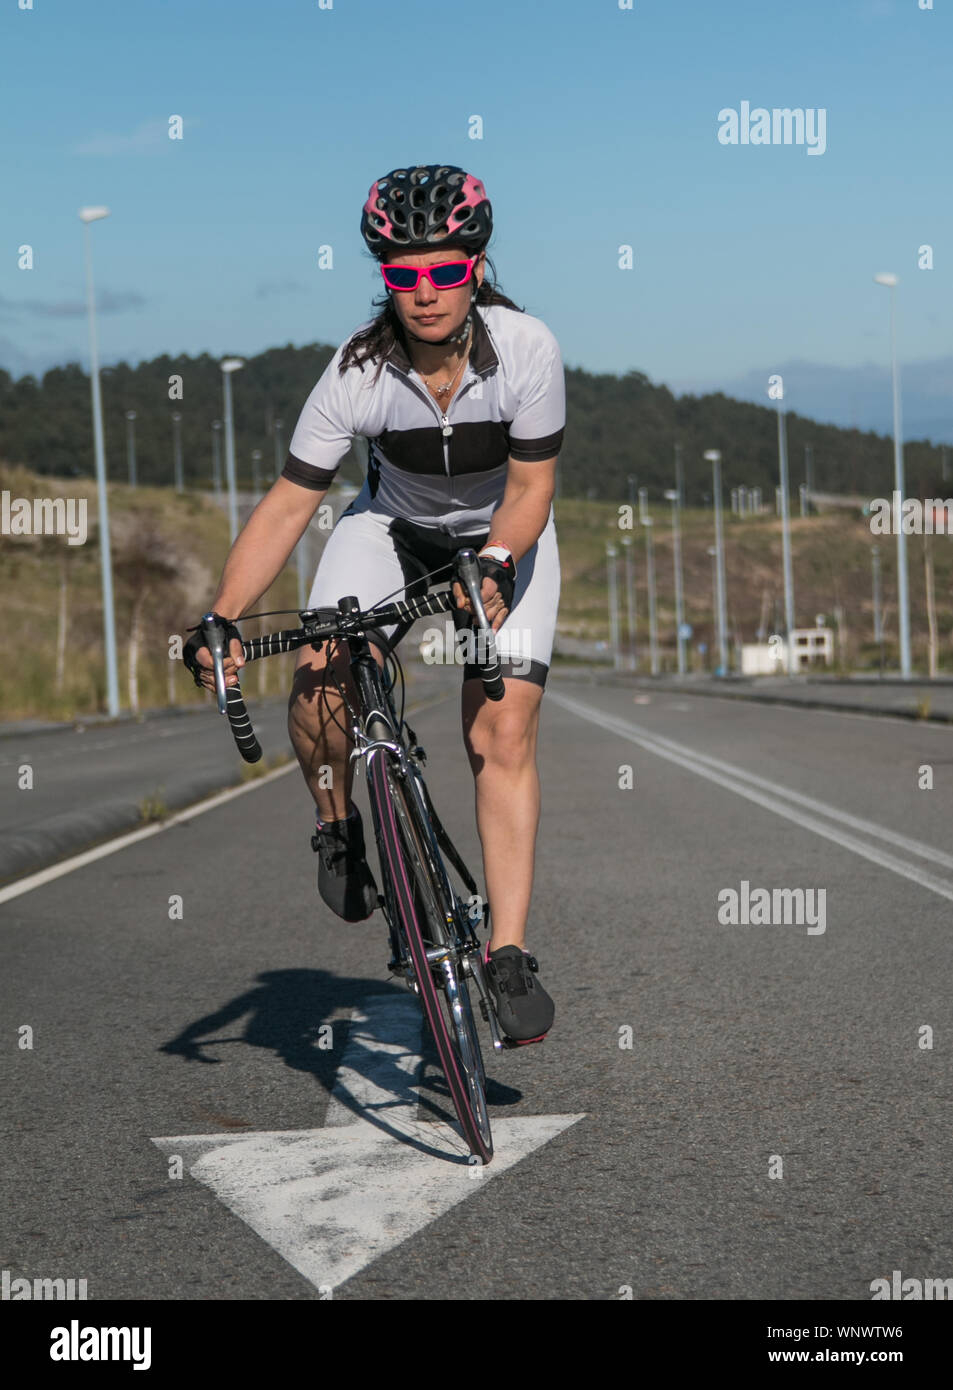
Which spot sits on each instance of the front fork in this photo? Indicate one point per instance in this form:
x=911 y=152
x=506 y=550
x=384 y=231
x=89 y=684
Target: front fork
x=467 y=950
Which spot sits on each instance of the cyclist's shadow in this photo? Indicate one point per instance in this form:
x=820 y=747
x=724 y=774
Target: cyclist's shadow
x=287 y=1013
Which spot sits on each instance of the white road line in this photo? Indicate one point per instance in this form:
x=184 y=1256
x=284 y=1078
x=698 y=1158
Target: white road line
x=690 y=760
x=331 y=1200
x=79 y=861
x=935 y=856
x=798 y=707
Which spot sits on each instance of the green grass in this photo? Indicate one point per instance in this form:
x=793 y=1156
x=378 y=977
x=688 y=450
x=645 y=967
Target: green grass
x=831 y=564
x=168 y=553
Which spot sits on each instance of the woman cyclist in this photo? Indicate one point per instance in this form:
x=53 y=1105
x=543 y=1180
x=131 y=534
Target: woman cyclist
x=461 y=397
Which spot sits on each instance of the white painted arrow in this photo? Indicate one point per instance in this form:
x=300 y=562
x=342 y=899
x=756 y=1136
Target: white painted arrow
x=331 y=1200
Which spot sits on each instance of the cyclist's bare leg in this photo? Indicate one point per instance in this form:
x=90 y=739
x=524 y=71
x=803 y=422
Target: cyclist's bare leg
x=500 y=738
x=322 y=747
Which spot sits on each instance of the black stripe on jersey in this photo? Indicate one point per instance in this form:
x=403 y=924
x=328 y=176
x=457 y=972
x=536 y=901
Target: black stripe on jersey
x=476 y=446
x=532 y=450
x=307 y=475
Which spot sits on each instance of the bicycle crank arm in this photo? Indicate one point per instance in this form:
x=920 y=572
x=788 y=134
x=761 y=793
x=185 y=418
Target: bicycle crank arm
x=486 y=1006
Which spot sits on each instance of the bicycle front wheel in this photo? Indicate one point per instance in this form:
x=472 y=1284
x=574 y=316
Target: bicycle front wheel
x=446 y=1006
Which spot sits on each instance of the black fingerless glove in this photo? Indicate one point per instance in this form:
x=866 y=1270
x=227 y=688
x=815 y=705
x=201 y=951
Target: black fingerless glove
x=198 y=640
x=503 y=574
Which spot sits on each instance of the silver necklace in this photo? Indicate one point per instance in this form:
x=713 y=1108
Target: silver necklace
x=447 y=386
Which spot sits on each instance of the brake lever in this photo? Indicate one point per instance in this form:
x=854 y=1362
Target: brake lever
x=469 y=569
x=214 y=634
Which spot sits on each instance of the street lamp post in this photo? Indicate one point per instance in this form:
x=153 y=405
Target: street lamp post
x=177 y=450
x=279 y=450
x=256 y=475
x=650 y=571
x=88 y=215
x=230 y=364
x=903 y=594
x=674 y=497
x=713 y=553
x=611 y=553
x=786 y=536
x=714 y=458
x=131 y=445
x=217 y=457
x=630 y=599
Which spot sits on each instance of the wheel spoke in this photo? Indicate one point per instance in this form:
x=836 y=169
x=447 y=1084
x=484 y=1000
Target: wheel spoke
x=408 y=858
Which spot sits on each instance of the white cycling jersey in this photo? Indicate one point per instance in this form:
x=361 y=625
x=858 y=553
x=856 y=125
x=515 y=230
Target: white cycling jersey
x=435 y=477
x=436 y=468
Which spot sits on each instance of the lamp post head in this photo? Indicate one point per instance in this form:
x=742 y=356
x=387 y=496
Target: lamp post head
x=712 y=455
x=886 y=277
x=670 y=495
x=216 y=424
x=92 y=214
x=233 y=364
x=130 y=414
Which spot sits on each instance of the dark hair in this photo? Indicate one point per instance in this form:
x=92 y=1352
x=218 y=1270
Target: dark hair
x=377 y=339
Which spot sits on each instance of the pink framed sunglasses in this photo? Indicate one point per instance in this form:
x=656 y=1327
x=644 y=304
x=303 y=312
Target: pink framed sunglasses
x=445 y=276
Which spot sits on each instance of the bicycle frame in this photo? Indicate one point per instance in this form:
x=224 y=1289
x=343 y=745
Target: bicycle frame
x=434 y=944
x=380 y=721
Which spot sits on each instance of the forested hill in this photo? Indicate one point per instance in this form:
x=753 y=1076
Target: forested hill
x=617 y=427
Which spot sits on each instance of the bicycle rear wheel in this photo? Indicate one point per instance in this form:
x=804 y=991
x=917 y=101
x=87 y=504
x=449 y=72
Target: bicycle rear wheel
x=446 y=1007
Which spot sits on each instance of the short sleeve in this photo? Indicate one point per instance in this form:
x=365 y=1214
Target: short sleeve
x=536 y=430
x=324 y=430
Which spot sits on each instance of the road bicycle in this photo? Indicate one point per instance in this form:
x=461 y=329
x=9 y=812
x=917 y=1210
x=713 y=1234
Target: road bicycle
x=432 y=928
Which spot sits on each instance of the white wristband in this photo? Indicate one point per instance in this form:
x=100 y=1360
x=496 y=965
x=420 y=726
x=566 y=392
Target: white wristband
x=498 y=553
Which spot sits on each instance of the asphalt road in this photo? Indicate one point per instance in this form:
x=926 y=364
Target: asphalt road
x=755 y=1048
x=92 y=780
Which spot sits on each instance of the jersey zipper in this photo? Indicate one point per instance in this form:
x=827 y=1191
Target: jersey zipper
x=444 y=417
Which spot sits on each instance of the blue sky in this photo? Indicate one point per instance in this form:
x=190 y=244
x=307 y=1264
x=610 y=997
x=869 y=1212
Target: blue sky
x=600 y=129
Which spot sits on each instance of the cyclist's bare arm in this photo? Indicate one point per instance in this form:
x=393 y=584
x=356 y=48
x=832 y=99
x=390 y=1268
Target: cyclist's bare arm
x=519 y=521
x=260 y=553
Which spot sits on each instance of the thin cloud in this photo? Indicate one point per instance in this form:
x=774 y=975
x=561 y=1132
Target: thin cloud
x=268 y=288
x=149 y=136
x=852 y=397
x=107 y=302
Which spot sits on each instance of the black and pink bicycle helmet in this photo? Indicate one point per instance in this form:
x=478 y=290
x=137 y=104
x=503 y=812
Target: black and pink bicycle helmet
x=417 y=208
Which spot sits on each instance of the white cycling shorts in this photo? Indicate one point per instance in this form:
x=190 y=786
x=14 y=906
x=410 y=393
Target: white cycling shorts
x=377 y=558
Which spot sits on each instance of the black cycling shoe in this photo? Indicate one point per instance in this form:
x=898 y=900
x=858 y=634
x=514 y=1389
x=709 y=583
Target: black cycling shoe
x=345 y=881
x=523 y=1007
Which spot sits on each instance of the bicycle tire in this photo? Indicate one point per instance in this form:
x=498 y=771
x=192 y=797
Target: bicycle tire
x=434 y=892
x=404 y=860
